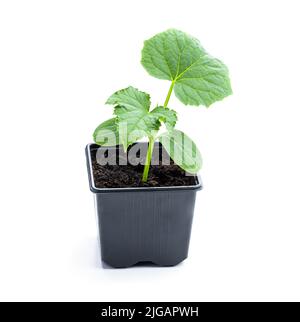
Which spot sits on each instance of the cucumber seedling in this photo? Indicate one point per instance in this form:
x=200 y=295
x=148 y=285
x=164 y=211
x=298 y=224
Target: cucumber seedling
x=196 y=79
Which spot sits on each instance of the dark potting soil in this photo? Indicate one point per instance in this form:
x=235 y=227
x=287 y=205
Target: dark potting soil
x=125 y=176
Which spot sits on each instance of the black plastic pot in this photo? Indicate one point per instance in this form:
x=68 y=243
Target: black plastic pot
x=143 y=224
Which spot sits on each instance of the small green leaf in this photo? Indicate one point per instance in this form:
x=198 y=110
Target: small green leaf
x=198 y=78
x=134 y=124
x=166 y=115
x=182 y=150
x=133 y=116
x=130 y=98
x=106 y=134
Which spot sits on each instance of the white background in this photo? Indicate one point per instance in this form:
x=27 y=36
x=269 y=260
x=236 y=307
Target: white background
x=60 y=60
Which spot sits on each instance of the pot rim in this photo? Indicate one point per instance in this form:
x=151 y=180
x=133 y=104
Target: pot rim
x=94 y=189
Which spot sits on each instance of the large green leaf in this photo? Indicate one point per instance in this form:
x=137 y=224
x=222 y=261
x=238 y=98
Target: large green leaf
x=198 y=78
x=134 y=119
x=106 y=134
x=182 y=150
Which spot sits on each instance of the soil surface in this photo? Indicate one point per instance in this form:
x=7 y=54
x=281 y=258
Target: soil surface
x=122 y=176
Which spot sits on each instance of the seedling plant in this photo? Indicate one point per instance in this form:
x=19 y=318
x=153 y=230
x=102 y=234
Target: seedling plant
x=196 y=79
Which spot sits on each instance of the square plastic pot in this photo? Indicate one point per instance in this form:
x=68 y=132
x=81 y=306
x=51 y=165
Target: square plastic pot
x=147 y=224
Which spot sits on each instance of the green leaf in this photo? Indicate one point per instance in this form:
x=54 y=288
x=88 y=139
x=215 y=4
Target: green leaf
x=182 y=150
x=198 y=78
x=106 y=134
x=130 y=98
x=134 y=124
x=166 y=115
x=133 y=116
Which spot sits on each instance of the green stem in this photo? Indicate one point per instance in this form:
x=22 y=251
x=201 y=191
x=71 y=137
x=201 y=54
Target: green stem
x=169 y=94
x=152 y=140
x=148 y=159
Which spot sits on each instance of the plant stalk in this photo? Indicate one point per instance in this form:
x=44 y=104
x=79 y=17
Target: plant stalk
x=148 y=159
x=152 y=140
x=169 y=94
